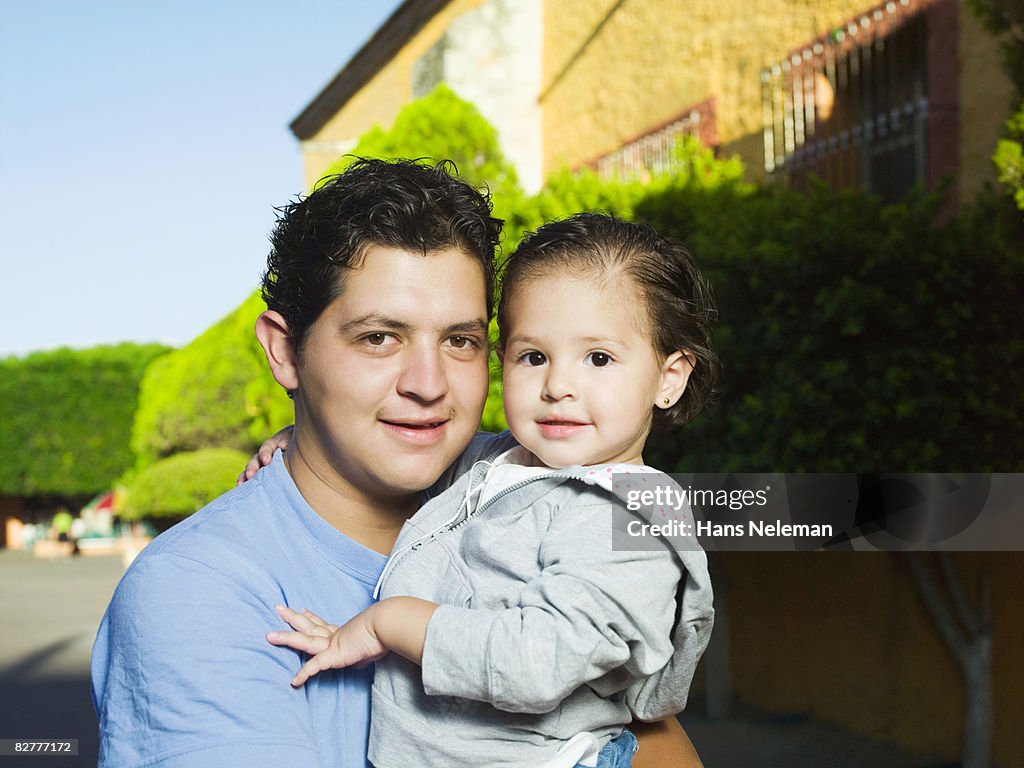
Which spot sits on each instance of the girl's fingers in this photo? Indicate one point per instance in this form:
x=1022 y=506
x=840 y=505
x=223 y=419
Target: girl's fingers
x=309 y=669
x=299 y=621
x=318 y=621
x=299 y=641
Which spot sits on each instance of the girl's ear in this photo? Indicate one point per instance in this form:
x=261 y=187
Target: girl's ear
x=675 y=372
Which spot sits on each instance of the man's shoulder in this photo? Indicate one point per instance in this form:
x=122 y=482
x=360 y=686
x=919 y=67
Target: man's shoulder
x=225 y=538
x=220 y=524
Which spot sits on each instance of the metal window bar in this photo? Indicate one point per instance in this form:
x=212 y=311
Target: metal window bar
x=852 y=107
x=654 y=153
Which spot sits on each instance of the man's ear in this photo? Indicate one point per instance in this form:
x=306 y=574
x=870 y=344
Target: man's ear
x=272 y=332
x=675 y=372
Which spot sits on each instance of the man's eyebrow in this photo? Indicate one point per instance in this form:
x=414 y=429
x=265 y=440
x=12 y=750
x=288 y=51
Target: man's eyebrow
x=466 y=326
x=374 y=320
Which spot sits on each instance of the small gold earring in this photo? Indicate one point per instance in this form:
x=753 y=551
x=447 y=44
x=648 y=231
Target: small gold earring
x=665 y=401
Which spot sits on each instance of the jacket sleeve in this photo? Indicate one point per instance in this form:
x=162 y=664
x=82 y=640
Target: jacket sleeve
x=665 y=692
x=182 y=677
x=590 y=611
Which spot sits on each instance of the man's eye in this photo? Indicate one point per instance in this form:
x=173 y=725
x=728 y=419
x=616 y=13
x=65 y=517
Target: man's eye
x=463 y=342
x=599 y=359
x=533 y=358
x=377 y=339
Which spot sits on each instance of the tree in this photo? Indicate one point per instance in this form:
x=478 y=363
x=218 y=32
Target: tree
x=967 y=633
x=442 y=126
x=1009 y=157
x=216 y=392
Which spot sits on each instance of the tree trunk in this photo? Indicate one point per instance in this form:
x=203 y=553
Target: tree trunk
x=967 y=634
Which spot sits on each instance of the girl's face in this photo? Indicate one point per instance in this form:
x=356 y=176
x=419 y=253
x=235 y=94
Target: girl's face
x=580 y=371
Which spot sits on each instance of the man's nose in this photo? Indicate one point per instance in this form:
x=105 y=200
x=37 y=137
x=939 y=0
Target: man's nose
x=424 y=375
x=558 y=383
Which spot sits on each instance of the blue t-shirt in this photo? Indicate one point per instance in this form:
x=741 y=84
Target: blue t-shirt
x=182 y=673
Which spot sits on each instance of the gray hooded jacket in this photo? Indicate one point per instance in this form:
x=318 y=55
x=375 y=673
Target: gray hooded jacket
x=543 y=630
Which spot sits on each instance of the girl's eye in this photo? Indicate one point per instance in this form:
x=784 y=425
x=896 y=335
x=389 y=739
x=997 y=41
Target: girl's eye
x=533 y=358
x=599 y=359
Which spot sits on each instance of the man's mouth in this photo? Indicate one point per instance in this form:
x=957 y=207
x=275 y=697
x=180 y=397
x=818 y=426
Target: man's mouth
x=416 y=431
x=415 y=424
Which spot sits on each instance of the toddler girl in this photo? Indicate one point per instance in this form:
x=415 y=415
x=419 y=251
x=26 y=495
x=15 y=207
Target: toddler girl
x=510 y=631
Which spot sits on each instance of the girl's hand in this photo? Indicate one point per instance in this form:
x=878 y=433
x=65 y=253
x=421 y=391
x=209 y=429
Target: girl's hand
x=353 y=645
x=262 y=457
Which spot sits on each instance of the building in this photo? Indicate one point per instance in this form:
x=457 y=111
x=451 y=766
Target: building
x=859 y=93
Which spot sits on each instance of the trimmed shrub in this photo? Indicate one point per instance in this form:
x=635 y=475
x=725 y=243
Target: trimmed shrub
x=179 y=485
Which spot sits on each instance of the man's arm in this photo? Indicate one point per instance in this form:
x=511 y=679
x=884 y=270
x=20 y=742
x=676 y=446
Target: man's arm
x=664 y=744
x=183 y=678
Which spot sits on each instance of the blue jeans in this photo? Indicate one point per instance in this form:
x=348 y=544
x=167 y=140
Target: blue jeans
x=618 y=753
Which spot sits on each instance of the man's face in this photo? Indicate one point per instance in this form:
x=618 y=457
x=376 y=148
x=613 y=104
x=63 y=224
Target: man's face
x=393 y=374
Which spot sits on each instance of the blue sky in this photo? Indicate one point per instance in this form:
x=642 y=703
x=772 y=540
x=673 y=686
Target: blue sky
x=143 y=146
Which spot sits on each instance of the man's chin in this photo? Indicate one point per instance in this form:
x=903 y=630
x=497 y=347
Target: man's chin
x=413 y=473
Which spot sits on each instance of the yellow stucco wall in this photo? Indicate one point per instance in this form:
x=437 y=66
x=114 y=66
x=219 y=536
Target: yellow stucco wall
x=845 y=637
x=613 y=69
x=654 y=58
x=379 y=101
x=985 y=103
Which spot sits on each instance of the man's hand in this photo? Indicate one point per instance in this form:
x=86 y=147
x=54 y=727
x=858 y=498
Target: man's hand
x=353 y=645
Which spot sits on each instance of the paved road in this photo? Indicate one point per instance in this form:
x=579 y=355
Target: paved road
x=50 y=611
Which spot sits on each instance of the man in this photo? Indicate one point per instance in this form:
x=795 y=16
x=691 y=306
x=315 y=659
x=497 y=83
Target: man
x=379 y=290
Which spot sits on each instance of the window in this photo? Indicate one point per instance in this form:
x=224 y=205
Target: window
x=853 y=107
x=655 y=152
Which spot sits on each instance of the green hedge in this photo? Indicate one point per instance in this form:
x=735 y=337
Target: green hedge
x=856 y=336
x=179 y=485
x=66 y=418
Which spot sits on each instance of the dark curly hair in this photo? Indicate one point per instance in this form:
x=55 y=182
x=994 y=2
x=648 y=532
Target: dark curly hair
x=680 y=307
x=407 y=204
